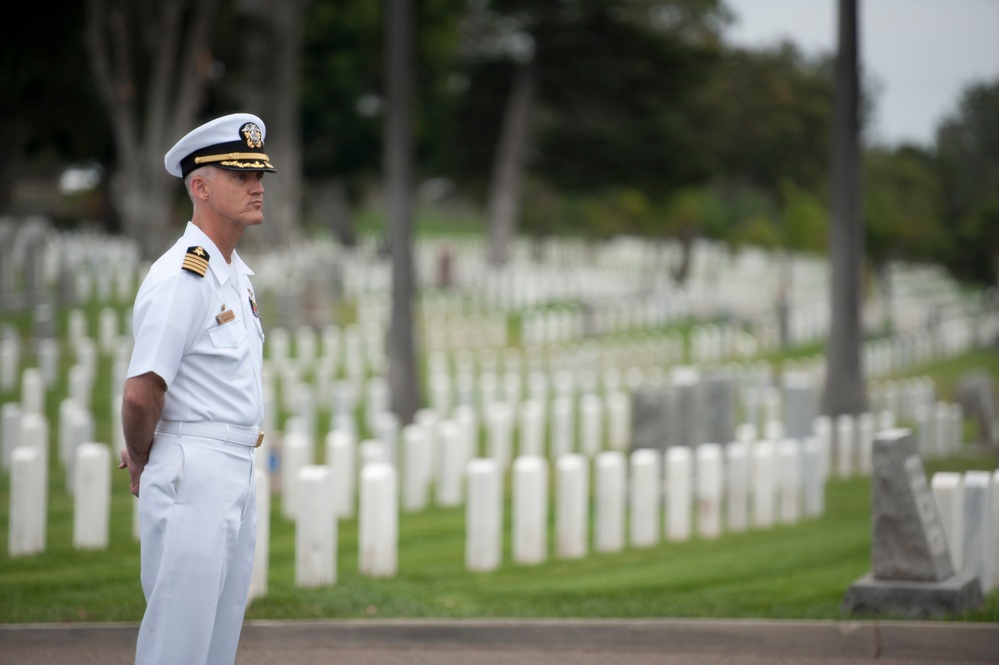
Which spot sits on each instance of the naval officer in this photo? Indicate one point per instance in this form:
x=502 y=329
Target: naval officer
x=193 y=404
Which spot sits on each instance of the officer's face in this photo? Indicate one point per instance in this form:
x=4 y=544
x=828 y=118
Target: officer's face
x=238 y=196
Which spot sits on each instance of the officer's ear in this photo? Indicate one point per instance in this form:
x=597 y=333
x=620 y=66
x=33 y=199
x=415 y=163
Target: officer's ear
x=199 y=183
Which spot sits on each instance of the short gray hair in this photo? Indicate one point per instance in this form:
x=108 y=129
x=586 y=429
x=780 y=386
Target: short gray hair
x=206 y=172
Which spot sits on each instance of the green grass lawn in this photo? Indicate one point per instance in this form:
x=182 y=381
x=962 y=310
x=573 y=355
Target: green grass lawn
x=799 y=571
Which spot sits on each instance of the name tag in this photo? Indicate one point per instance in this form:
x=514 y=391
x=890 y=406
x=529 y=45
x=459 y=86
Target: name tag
x=225 y=317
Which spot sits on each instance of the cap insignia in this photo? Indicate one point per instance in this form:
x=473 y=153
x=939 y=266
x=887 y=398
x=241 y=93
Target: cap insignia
x=254 y=137
x=196 y=261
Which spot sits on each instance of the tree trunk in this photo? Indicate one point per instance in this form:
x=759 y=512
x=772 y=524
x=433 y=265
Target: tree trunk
x=172 y=87
x=508 y=169
x=682 y=270
x=403 y=374
x=272 y=49
x=844 y=390
x=143 y=197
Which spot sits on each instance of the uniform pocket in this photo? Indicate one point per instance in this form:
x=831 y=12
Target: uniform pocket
x=231 y=350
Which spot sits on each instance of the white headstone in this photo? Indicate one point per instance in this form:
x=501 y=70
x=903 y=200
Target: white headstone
x=32 y=391
x=316 y=529
x=92 y=496
x=107 y=329
x=341 y=457
x=645 y=496
x=822 y=430
x=48 y=361
x=845 y=445
x=532 y=428
x=10 y=427
x=618 y=420
x=440 y=393
x=995 y=529
x=484 y=515
x=978 y=526
x=261 y=553
x=530 y=509
x=679 y=492
x=427 y=419
x=453 y=456
x=295 y=454
x=28 y=501
x=377 y=402
x=737 y=480
x=417 y=473
x=590 y=425
x=609 y=489
x=942 y=422
x=571 y=506
x=10 y=363
x=710 y=480
x=764 y=485
x=79 y=385
x=813 y=456
x=865 y=443
x=499 y=430
x=561 y=427
x=371 y=451
x=948 y=491
x=386 y=430
x=789 y=481
x=378 y=527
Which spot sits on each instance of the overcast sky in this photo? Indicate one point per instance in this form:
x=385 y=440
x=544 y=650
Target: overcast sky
x=921 y=53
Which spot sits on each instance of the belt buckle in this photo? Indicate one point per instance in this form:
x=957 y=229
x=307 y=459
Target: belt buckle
x=260 y=439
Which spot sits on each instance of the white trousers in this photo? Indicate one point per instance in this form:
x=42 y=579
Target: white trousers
x=198 y=529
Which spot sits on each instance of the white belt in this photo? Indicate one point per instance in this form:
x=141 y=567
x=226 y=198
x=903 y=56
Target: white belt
x=246 y=436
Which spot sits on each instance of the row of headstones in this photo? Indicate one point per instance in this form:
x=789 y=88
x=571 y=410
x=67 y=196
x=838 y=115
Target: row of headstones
x=454 y=442
x=91 y=490
x=362 y=350
x=115 y=278
x=775 y=479
x=968 y=505
x=82 y=267
x=898 y=353
x=938 y=424
x=733 y=488
x=111 y=341
x=76 y=421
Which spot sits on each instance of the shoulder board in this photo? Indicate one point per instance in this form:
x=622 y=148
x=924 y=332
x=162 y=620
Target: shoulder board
x=196 y=261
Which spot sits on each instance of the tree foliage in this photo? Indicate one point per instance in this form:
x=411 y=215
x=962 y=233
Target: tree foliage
x=47 y=100
x=968 y=171
x=612 y=98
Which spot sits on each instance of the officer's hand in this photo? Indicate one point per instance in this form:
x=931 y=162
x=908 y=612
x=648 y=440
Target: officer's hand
x=126 y=463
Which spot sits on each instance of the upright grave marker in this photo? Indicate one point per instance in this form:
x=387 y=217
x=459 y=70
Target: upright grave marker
x=912 y=573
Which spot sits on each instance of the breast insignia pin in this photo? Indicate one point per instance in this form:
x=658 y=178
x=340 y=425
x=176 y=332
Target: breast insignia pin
x=253 y=305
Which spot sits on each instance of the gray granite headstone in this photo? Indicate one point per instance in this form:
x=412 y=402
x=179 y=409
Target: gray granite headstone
x=34 y=260
x=909 y=542
x=977 y=396
x=800 y=404
x=43 y=323
x=912 y=574
x=686 y=427
x=718 y=392
x=650 y=417
x=8 y=274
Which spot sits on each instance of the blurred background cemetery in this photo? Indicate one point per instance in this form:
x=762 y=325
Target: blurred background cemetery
x=574 y=302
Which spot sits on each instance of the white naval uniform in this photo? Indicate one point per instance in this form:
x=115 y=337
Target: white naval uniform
x=197 y=502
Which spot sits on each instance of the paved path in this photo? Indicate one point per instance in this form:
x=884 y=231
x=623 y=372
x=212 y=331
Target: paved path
x=542 y=642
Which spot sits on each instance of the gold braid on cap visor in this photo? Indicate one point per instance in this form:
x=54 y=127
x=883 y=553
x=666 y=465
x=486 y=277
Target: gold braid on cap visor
x=208 y=159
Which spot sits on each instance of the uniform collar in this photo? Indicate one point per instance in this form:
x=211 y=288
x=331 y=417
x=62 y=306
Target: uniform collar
x=216 y=262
